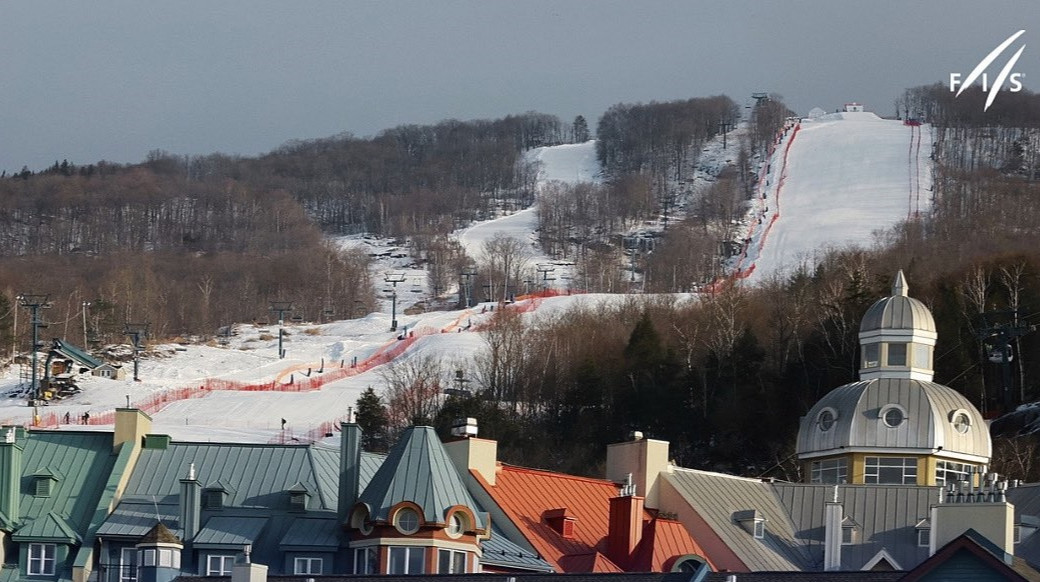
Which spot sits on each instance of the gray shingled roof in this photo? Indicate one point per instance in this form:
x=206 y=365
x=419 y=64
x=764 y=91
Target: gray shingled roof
x=717 y=497
x=419 y=470
x=886 y=516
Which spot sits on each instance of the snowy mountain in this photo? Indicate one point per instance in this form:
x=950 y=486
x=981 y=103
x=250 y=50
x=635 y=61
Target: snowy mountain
x=832 y=181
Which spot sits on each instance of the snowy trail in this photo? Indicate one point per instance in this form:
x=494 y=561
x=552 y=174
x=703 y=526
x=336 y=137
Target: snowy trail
x=250 y=359
x=843 y=179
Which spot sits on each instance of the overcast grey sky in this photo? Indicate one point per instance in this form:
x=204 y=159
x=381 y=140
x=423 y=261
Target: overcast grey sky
x=113 y=79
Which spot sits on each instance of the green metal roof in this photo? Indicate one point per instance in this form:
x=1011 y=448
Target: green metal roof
x=133 y=519
x=308 y=532
x=86 y=460
x=252 y=475
x=229 y=531
x=76 y=354
x=419 y=470
x=47 y=528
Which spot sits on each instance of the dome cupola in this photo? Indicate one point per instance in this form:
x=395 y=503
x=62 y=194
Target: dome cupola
x=897 y=337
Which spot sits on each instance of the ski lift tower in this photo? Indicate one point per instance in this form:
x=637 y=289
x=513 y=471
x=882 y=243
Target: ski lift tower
x=545 y=269
x=137 y=333
x=760 y=98
x=281 y=308
x=394 y=278
x=35 y=302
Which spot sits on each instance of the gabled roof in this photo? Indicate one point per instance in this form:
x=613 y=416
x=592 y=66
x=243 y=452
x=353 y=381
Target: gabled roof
x=524 y=495
x=887 y=515
x=977 y=551
x=50 y=527
x=418 y=470
x=716 y=497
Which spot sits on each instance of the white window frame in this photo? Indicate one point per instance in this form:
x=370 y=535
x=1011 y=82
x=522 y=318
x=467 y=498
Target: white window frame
x=224 y=564
x=453 y=556
x=945 y=469
x=848 y=535
x=362 y=557
x=904 y=347
x=408 y=551
x=128 y=565
x=42 y=558
x=308 y=566
x=873 y=466
x=838 y=468
x=759 y=529
x=871 y=356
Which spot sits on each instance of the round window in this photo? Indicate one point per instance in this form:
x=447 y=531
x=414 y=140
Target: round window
x=961 y=422
x=827 y=418
x=456 y=525
x=406 y=520
x=893 y=416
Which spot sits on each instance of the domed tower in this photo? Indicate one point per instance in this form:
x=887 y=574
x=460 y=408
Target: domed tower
x=895 y=425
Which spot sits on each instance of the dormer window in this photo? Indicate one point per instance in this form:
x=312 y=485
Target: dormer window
x=298 y=496
x=406 y=520
x=848 y=532
x=752 y=521
x=924 y=533
x=43 y=482
x=827 y=418
x=961 y=421
x=892 y=415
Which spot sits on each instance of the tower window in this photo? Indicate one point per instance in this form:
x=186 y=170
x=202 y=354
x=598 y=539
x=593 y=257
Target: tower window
x=407 y=520
x=896 y=354
x=829 y=471
x=827 y=418
x=890 y=470
x=870 y=356
x=892 y=415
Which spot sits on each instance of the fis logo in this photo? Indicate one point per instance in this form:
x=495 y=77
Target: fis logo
x=991 y=89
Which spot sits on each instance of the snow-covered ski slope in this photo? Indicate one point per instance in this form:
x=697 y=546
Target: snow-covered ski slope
x=832 y=182
x=570 y=163
x=326 y=351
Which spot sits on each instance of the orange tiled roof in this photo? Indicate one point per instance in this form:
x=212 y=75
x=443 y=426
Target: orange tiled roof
x=528 y=495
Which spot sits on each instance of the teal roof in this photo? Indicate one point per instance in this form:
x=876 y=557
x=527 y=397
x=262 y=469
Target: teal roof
x=229 y=531
x=325 y=459
x=76 y=354
x=311 y=533
x=499 y=551
x=133 y=519
x=47 y=528
x=252 y=475
x=86 y=460
x=419 y=470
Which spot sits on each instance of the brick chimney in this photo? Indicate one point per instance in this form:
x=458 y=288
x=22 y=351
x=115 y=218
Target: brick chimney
x=626 y=524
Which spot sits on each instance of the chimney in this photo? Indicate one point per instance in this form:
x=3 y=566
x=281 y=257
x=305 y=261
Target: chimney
x=645 y=459
x=833 y=514
x=986 y=511
x=626 y=525
x=349 y=469
x=190 y=504
x=12 y=443
x=245 y=570
x=470 y=453
x=131 y=426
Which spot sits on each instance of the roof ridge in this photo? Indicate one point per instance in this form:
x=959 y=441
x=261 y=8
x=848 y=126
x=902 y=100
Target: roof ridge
x=557 y=474
x=715 y=474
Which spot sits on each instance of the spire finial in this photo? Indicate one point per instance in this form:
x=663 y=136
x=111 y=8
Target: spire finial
x=899 y=286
